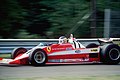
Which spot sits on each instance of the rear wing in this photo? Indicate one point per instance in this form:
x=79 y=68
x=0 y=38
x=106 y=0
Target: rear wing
x=109 y=40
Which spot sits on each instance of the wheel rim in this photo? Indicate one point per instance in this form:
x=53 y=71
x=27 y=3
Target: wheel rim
x=114 y=54
x=39 y=57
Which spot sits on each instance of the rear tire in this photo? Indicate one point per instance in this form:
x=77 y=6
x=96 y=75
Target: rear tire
x=110 y=54
x=18 y=51
x=38 y=57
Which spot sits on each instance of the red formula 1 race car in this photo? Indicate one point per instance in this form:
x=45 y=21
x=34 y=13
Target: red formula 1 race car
x=67 y=51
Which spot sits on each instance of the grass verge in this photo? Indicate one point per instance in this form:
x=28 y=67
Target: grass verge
x=113 y=77
x=5 y=55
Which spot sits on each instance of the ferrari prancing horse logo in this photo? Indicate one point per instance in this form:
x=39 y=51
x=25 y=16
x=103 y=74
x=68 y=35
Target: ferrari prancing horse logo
x=48 y=48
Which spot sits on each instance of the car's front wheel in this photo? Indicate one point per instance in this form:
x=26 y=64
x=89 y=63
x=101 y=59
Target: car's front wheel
x=18 y=51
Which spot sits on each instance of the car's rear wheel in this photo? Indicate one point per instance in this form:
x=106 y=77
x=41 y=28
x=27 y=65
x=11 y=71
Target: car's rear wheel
x=18 y=51
x=38 y=57
x=110 y=54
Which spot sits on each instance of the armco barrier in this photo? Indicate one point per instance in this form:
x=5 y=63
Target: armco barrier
x=7 y=45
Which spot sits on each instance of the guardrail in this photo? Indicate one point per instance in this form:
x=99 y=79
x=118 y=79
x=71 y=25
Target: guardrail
x=7 y=45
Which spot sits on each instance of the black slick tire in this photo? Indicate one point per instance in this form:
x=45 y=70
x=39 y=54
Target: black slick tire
x=18 y=51
x=38 y=57
x=110 y=54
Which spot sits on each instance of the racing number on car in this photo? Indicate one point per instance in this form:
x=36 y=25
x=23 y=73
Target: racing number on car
x=48 y=48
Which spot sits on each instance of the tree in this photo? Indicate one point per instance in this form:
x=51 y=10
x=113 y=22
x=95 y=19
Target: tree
x=11 y=16
x=37 y=14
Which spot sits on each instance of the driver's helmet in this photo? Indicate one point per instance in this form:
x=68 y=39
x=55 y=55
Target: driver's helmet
x=62 y=40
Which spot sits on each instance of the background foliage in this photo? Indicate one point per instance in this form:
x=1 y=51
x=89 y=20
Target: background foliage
x=49 y=18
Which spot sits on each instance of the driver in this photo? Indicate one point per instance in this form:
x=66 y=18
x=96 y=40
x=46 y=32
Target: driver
x=63 y=40
x=71 y=39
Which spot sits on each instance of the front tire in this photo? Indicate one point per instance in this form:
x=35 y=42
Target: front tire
x=38 y=57
x=18 y=51
x=110 y=54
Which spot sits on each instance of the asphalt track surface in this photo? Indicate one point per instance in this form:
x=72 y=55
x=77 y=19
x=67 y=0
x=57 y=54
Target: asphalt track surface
x=17 y=71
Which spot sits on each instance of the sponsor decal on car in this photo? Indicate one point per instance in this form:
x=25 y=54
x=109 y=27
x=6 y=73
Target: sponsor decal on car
x=48 y=48
x=94 y=50
x=58 y=49
x=54 y=60
x=74 y=60
x=69 y=60
x=69 y=48
x=77 y=51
